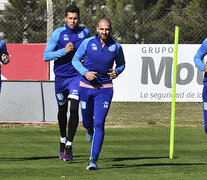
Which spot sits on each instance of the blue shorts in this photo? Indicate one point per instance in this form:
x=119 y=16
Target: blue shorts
x=66 y=88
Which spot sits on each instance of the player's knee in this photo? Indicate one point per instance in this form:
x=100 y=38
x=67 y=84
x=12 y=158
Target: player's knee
x=99 y=126
x=74 y=106
x=63 y=109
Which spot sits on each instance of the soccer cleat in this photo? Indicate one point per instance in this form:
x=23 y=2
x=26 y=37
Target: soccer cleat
x=89 y=134
x=61 y=151
x=68 y=154
x=92 y=164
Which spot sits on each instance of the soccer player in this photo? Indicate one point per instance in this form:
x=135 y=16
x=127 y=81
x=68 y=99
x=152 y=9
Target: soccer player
x=61 y=47
x=4 y=56
x=198 y=59
x=96 y=88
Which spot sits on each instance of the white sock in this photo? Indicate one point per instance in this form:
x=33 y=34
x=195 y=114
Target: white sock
x=63 y=139
x=69 y=143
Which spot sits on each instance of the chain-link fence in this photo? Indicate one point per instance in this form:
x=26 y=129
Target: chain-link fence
x=144 y=27
x=137 y=28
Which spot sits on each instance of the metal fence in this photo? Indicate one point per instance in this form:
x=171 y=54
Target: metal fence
x=137 y=28
x=144 y=27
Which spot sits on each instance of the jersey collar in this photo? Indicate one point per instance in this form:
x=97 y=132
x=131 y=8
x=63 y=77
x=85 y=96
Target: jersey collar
x=71 y=30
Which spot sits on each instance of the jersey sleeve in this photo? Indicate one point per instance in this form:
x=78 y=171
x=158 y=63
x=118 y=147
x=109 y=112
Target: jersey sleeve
x=87 y=32
x=198 y=58
x=120 y=60
x=80 y=53
x=50 y=53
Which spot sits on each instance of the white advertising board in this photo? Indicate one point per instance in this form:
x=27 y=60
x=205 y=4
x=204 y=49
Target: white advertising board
x=148 y=75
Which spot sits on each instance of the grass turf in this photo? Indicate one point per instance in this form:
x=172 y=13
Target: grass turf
x=127 y=153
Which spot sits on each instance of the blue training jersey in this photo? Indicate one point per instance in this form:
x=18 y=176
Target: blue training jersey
x=198 y=59
x=99 y=59
x=3 y=50
x=55 y=49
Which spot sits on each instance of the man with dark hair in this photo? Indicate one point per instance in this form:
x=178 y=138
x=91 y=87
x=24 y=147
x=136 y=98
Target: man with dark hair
x=4 y=57
x=61 y=48
x=96 y=88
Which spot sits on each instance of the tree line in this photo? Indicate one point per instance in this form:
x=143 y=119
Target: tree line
x=133 y=21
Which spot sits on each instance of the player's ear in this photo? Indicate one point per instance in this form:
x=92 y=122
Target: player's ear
x=97 y=29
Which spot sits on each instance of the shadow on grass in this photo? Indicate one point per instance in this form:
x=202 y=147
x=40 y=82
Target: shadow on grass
x=35 y=158
x=133 y=158
x=144 y=164
x=153 y=164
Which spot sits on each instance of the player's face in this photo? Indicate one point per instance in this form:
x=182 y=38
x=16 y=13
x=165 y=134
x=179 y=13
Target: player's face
x=72 y=20
x=104 y=30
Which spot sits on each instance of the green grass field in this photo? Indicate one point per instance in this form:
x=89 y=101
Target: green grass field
x=145 y=114
x=30 y=152
x=136 y=146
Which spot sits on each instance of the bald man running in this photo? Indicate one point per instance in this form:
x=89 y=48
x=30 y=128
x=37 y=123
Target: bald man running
x=96 y=88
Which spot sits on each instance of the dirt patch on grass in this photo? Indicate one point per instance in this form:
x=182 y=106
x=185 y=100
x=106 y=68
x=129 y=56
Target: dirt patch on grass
x=23 y=124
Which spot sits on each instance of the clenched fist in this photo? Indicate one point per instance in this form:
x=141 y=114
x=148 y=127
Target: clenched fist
x=112 y=74
x=69 y=47
x=5 y=59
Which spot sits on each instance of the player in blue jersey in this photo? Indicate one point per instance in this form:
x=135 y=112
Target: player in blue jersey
x=61 y=47
x=4 y=57
x=198 y=59
x=96 y=88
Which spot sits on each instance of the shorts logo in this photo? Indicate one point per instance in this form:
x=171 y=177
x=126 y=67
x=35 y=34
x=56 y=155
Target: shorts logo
x=106 y=104
x=83 y=105
x=205 y=106
x=60 y=97
x=75 y=92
